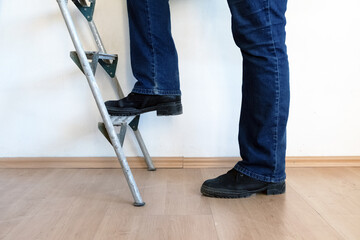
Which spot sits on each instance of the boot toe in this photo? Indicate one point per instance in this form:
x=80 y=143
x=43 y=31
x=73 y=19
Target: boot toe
x=212 y=183
x=111 y=103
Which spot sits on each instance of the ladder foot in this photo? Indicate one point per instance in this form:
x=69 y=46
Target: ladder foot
x=151 y=169
x=139 y=204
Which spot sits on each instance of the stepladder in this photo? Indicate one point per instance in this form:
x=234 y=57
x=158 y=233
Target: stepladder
x=113 y=127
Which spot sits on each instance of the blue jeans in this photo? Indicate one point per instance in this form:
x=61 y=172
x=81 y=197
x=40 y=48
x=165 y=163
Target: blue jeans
x=258 y=28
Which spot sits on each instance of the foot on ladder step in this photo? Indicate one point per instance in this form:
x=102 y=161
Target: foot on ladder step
x=135 y=104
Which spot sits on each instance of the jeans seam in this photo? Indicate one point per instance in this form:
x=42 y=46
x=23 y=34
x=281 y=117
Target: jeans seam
x=240 y=168
x=153 y=64
x=156 y=92
x=277 y=98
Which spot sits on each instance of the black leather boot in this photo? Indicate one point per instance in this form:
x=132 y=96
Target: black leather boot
x=234 y=184
x=135 y=104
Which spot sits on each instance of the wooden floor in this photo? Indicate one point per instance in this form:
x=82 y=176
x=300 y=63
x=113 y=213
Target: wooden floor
x=320 y=203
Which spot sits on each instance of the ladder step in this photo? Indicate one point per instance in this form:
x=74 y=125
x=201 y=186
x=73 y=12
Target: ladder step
x=120 y=120
x=107 y=61
x=105 y=56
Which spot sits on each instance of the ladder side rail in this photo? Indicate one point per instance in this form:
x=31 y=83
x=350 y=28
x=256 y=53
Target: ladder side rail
x=101 y=48
x=100 y=103
x=96 y=35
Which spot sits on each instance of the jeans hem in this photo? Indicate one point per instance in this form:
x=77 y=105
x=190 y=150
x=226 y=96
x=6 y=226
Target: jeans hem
x=257 y=176
x=156 y=91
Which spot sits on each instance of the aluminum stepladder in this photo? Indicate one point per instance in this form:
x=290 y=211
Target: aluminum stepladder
x=108 y=62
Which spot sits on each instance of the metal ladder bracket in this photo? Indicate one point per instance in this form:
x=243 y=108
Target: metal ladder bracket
x=87 y=11
x=120 y=135
x=135 y=123
x=102 y=129
x=109 y=66
x=92 y=56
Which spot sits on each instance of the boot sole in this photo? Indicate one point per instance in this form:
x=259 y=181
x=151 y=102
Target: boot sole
x=271 y=189
x=164 y=109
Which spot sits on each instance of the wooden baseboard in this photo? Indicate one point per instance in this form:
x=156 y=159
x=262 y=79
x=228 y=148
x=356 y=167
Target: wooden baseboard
x=333 y=161
x=167 y=162
x=326 y=161
x=87 y=162
x=210 y=162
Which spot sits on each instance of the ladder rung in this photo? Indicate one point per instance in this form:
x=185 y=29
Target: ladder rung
x=104 y=56
x=120 y=120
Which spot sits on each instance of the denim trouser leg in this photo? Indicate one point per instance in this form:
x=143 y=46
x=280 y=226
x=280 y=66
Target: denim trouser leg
x=259 y=30
x=154 y=58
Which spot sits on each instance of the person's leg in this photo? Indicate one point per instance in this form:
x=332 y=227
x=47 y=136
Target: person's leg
x=154 y=62
x=259 y=31
x=154 y=58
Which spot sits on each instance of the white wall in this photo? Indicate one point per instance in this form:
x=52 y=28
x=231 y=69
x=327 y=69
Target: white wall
x=47 y=109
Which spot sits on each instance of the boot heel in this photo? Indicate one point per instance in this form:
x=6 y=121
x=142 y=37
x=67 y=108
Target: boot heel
x=167 y=110
x=276 y=188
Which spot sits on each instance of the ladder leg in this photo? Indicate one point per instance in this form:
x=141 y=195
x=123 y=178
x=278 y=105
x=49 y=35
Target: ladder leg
x=100 y=103
x=147 y=157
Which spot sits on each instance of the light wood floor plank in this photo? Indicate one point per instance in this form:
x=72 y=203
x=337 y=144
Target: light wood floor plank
x=97 y=204
x=20 y=197
x=355 y=170
x=183 y=195
x=173 y=210
x=47 y=203
x=178 y=227
x=334 y=193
